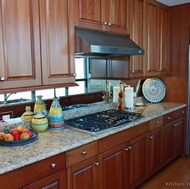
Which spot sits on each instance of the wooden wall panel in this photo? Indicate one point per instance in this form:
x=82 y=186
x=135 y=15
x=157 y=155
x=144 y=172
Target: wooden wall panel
x=177 y=85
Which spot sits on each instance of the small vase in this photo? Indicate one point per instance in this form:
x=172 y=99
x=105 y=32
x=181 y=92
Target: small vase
x=39 y=105
x=56 y=119
x=27 y=117
x=40 y=121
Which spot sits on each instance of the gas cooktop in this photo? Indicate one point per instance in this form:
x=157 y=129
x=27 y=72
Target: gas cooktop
x=102 y=120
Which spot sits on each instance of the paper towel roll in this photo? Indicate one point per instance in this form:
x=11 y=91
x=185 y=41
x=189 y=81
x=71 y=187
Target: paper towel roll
x=129 y=97
x=116 y=90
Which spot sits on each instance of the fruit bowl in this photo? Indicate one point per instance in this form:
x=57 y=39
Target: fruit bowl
x=20 y=142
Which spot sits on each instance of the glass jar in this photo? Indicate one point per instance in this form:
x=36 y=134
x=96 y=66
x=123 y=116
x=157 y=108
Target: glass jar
x=56 y=119
x=39 y=105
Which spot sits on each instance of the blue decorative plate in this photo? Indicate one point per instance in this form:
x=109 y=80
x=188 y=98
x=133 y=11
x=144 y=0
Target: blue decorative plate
x=20 y=142
x=154 y=90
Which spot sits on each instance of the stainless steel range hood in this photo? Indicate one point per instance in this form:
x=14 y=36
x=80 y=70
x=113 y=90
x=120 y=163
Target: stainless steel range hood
x=99 y=43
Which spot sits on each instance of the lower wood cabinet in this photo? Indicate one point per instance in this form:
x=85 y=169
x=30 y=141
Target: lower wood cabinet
x=153 y=159
x=57 y=180
x=112 y=164
x=136 y=156
x=172 y=141
x=84 y=175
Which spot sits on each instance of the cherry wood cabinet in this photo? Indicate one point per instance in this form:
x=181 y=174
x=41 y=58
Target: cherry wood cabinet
x=153 y=151
x=177 y=138
x=137 y=34
x=84 y=174
x=111 y=168
x=110 y=15
x=136 y=161
x=20 y=59
x=57 y=180
x=57 y=61
x=47 y=173
x=172 y=136
x=157 y=39
x=37 y=43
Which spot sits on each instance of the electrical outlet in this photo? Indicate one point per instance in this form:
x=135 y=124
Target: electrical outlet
x=5 y=117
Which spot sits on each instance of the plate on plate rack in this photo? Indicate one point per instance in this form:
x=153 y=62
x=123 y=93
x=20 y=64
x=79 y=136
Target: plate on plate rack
x=154 y=90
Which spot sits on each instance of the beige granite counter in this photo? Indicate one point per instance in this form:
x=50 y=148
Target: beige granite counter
x=50 y=143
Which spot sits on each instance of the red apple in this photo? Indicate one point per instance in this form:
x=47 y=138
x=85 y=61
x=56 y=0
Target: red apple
x=30 y=133
x=16 y=136
x=14 y=130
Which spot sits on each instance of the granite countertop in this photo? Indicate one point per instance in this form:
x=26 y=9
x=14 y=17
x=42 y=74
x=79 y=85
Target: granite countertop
x=50 y=143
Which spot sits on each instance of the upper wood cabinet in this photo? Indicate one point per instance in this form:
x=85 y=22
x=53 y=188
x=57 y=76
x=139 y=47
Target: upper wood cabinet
x=157 y=39
x=110 y=15
x=36 y=43
x=20 y=64
x=137 y=23
x=57 y=61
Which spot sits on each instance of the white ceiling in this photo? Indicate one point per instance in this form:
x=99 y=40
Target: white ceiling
x=173 y=2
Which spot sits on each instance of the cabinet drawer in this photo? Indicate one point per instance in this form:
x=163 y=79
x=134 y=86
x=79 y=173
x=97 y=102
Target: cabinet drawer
x=81 y=153
x=156 y=123
x=33 y=172
x=174 y=115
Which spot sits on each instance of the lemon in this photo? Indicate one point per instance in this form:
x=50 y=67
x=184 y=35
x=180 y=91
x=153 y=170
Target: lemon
x=20 y=127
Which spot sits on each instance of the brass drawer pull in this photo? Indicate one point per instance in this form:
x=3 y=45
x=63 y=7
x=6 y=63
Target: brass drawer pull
x=157 y=122
x=151 y=137
x=169 y=118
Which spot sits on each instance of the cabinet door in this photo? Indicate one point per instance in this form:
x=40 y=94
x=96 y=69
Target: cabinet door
x=57 y=63
x=55 y=181
x=177 y=138
x=19 y=43
x=136 y=20
x=114 y=15
x=152 y=38
x=153 y=152
x=88 y=13
x=137 y=157
x=157 y=39
x=167 y=143
x=83 y=175
x=164 y=40
x=111 y=168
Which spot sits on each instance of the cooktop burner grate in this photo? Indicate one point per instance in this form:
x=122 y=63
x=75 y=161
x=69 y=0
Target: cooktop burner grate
x=102 y=120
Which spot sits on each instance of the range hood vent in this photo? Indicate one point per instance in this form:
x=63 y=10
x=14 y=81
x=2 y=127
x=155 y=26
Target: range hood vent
x=98 y=43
